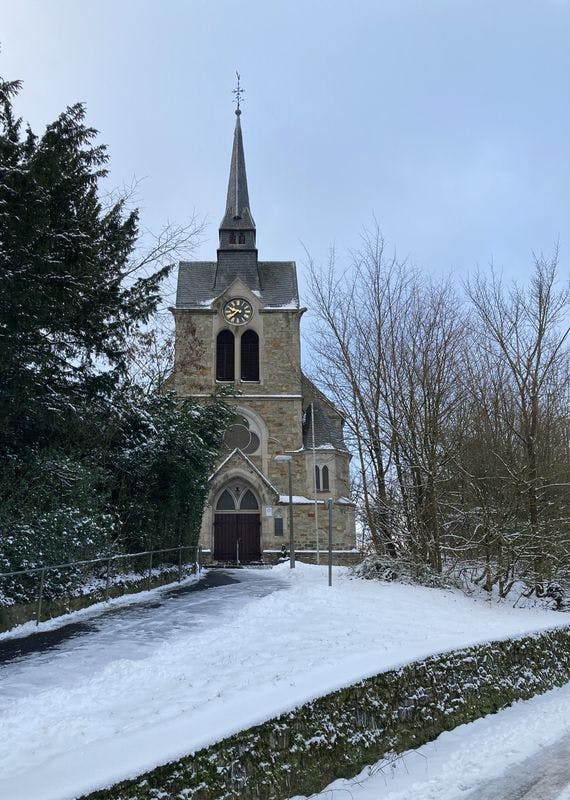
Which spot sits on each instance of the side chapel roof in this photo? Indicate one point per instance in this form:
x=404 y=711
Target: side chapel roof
x=328 y=420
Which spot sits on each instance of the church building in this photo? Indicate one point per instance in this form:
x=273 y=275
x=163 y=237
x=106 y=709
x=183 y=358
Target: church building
x=237 y=322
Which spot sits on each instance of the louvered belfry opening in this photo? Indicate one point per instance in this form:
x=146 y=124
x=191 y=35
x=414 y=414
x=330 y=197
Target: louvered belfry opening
x=249 y=356
x=225 y=356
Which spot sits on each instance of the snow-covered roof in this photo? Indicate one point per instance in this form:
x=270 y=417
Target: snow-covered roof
x=274 y=282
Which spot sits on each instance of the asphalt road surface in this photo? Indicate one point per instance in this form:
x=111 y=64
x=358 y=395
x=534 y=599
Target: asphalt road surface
x=545 y=776
x=130 y=629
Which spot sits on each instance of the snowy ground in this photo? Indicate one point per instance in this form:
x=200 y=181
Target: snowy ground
x=521 y=752
x=153 y=684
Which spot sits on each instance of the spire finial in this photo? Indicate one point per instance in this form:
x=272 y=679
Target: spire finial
x=238 y=91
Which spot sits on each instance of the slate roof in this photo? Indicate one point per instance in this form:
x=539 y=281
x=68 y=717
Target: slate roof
x=201 y=282
x=328 y=426
x=237 y=216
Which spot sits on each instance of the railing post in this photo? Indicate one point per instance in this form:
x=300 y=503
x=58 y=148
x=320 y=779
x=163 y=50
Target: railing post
x=199 y=559
x=179 y=563
x=108 y=579
x=237 y=552
x=149 y=570
x=330 y=540
x=40 y=596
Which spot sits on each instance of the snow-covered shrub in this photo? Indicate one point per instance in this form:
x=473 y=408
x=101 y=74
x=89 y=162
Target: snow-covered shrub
x=381 y=568
x=53 y=511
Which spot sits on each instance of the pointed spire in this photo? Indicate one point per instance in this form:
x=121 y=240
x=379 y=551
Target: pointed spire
x=237 y=216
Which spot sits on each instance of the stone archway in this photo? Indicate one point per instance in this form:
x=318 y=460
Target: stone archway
x=237 y=520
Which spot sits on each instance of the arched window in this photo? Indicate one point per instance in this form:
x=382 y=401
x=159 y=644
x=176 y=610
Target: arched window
x=250 y=356
x=248 y=502
x=232 y=238
x=325 y=476
x=318 y=478
x=225 y=356
x=241 y=238
x=225 y=502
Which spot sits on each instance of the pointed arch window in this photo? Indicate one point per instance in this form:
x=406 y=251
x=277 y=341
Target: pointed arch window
x=248 y=502
x=249 y=356
x=318 y=478
x=225 y=502
x=225 y=356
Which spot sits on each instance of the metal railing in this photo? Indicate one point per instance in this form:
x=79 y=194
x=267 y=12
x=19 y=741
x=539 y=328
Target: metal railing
x=107 y=560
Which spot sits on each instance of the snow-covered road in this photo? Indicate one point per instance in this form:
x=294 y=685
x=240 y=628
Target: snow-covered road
x=101 y=635
x=153 y=684
x=521 y=753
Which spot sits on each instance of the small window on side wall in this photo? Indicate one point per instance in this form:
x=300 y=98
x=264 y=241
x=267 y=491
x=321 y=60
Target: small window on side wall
x=325 y=477
x=318 y=478
x=278 y=523
x=241 y=238
x=232 y=238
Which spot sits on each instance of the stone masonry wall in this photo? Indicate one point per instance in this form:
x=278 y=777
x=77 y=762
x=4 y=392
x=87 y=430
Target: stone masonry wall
x=276 y=401
x=339 y=734
x=279 y=343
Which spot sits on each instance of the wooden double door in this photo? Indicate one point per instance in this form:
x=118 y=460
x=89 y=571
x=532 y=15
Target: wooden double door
x=231 y=528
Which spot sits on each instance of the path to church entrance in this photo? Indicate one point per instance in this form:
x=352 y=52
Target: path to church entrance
x=125 y=631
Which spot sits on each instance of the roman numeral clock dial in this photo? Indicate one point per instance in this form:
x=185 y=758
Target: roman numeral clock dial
x=238 y=311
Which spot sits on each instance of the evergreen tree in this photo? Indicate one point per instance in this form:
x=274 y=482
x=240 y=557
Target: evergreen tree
x=67 y=303
x=89 y=462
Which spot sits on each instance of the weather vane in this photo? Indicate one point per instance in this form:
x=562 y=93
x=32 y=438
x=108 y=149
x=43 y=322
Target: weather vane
x=238 y=91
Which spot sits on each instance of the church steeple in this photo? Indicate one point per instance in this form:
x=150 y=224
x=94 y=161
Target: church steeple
x=237 y=228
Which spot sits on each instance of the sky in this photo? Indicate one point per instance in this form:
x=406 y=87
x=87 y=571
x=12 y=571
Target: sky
x=446 y=120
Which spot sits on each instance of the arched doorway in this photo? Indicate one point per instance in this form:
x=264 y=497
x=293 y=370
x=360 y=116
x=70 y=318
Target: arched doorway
x=237 y=518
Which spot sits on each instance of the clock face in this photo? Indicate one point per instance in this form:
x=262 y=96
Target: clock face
x=238 y=311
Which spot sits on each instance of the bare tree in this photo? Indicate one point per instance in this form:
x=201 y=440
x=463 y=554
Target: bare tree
x=423 y=396
x=522 y=334
x=386 y=344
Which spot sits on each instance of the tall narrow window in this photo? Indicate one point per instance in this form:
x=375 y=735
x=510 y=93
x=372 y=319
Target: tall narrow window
x=232 y=238
x=225 y=356
x=325 y=474
x=250 y=356
x=318 y=479
x=241 y=238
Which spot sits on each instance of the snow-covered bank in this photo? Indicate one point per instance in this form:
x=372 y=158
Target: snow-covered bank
x=253 y=658
x=462 y=761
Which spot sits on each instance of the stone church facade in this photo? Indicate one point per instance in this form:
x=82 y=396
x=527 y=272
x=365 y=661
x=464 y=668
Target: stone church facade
x=237 y=324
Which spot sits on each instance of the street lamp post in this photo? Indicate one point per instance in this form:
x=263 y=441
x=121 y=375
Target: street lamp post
x=288 y=459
